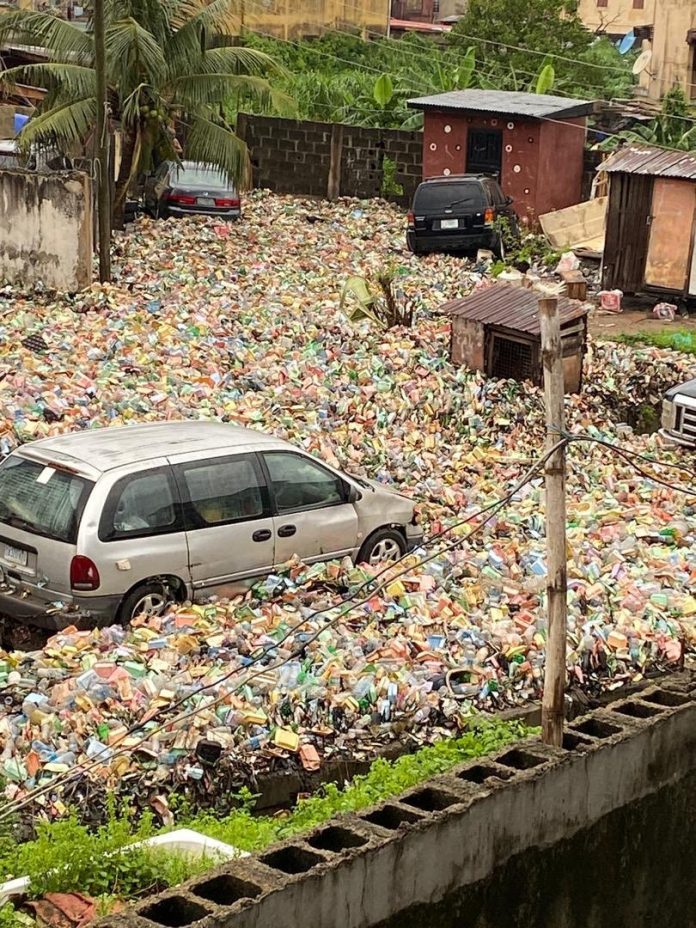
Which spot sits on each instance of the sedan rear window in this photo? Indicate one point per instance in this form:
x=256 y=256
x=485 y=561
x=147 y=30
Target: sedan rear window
x=42 y=500
x=201 y=176
x=435 y=197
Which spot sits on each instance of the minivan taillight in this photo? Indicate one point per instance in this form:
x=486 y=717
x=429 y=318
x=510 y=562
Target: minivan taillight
x=411 y=219
x=489 y=216
x=83 y=573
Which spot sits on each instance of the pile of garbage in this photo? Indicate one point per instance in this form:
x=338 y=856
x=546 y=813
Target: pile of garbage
x=242 y=323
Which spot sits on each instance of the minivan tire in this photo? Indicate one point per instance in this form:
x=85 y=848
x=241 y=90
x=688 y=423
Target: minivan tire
x=160 y=594
x=384 y=545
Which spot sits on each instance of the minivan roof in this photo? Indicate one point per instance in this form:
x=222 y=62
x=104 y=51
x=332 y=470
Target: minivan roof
x=102 y=449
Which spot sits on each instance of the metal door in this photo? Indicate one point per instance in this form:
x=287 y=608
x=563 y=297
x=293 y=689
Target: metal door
x=669 y=245
x=312 y=516
x=227 y=516
x=484 y=151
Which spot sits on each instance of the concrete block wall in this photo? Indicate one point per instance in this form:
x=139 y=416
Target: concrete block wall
x=294 y=157
x=459 y=831
x=46 y=229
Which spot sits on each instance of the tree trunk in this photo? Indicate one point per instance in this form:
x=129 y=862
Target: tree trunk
x=128 y=138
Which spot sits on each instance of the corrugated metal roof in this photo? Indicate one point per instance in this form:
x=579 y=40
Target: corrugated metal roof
x=643 y=159
x=512 y=103
x=510 y=307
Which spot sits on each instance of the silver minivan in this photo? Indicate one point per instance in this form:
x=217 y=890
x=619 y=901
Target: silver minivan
x=115 y=522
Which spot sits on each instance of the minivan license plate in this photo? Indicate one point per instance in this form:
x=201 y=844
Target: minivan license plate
x=16 y=555
x=449 y=224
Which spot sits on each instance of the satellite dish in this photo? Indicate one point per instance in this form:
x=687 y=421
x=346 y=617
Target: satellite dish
x=627 y=43
x=642 y=61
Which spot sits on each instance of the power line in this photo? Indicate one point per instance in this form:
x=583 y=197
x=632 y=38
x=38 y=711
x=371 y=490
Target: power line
x=83 y=768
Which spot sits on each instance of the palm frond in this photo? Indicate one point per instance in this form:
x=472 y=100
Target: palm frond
x=134 y=53
x=196 y=90
x=240 y=60
x=211 y=143
x=61 y=39
x=188 y=42
x=69 y=123
x=76 y=80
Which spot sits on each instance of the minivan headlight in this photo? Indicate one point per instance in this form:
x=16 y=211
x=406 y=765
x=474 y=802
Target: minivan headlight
x=669 y=417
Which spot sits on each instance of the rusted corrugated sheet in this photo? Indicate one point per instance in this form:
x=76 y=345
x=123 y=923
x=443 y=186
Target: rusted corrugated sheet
x=510 y=307
x=656 y=162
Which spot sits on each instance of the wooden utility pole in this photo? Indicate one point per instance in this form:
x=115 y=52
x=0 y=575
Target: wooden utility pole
x=103 y=146
x=552 y=711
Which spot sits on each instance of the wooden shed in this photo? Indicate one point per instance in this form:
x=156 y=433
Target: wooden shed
x=649 y=241
x=534 y=143
x=496 y=330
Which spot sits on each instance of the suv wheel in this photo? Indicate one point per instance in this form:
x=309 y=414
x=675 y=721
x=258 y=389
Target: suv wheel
x=150 y=598
x=383 y=546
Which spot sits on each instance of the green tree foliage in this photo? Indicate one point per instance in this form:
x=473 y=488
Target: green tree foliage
x=514 y=39
x=170 y=65
x=674 y=127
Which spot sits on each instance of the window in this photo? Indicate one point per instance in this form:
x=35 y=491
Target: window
x=42 y=500
x=638 y=4
x=140 y=505
x=225 y=490
x=299 y=483
x=602 y=3
x=436 y=197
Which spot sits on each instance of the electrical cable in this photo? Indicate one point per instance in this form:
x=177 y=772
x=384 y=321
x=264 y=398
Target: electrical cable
x=83 y=768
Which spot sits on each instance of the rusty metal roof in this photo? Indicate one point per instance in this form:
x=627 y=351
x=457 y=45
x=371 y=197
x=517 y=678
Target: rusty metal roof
x=508 y=102
x=644 y=159
x=510 y=307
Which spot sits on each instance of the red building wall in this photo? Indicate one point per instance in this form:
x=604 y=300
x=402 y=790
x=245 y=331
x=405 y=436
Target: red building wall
x=541 y=169
x=561 y=164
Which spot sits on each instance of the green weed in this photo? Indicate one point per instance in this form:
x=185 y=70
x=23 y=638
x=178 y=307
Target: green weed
x=68 y=857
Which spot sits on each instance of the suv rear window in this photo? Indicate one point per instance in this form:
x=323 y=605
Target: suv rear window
x=434 y=197
x=42 y=500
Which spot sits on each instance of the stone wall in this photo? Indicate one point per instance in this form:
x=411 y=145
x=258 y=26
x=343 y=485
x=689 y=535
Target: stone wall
x=299 y=157
x=596 y=834
x=46 y=229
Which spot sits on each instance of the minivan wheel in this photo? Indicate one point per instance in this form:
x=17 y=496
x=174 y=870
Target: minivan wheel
x=382 y=547
x=150 y=598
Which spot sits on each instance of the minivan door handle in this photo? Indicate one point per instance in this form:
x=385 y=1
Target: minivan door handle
x=285 y=531
x=263 y=534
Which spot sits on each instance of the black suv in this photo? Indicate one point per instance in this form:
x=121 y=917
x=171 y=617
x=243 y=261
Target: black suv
x=458 y=213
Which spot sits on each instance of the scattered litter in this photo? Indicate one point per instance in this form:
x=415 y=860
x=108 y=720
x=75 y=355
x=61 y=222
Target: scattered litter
x=666 y=311
x=610 y=300
x=246 y=328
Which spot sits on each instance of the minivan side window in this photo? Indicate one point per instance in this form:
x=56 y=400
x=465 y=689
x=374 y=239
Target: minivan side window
x=299 y=483
x=223 y=491
x=139 y=505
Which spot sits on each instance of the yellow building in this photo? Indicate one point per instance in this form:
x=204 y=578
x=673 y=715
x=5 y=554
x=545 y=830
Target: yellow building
x=294 y=19
x=673 y=43
x=616 y=17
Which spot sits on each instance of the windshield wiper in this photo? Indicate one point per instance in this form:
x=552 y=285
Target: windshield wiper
x=461 y=200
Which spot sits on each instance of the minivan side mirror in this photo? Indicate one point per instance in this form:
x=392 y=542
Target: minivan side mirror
x=352 y=493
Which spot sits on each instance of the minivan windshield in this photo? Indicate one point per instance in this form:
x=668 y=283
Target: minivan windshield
x=41 y=499
x=436 y=197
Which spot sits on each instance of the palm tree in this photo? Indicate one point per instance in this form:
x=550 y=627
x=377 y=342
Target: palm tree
x=169 y=67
